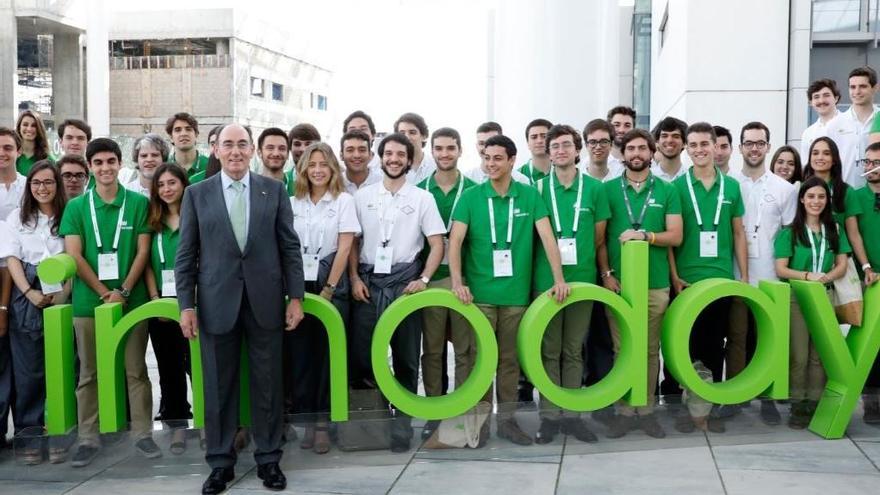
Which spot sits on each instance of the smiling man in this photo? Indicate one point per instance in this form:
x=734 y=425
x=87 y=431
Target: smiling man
x=823 y=96
x=74 y=135
x=850 y=130
x=183 y=129
x=273 y=149
x=597 y=141
x=669 y=136
x=148 y=152
x=413 y=126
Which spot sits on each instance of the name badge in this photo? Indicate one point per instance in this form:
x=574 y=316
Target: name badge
x=445 y=260
x=384 y=255
x=502 y=262
x=108 y=266
x=169 y=287
x=568 y=251
x=754 y=247
x=708 y=244
x=310 y=267
x=50 y=288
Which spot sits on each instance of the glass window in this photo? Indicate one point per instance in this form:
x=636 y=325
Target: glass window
x=277 y=92
x=837 y=16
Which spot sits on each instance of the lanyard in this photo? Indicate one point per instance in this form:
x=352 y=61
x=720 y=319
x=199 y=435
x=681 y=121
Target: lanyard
x=118 y=220
x=577 y=204
x=385 y=229
x=509 y=221
x=161 y=247
x=818 y=257
x=306 y=238
x=760 y=205
x=636 y=224
x=720 y=176
x=454 y=202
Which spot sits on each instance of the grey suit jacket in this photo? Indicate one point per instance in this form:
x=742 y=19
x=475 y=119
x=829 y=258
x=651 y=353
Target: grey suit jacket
x=211 y=272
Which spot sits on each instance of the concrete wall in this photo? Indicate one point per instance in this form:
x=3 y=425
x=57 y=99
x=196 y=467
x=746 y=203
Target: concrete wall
x=8 y=63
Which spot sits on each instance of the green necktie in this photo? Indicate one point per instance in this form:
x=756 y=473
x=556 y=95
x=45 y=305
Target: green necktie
x=238 y=214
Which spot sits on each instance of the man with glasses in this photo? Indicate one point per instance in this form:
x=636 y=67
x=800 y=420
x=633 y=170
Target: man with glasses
x=75 y=174
x=601 y=165
x=770 y=203
x=863 y=230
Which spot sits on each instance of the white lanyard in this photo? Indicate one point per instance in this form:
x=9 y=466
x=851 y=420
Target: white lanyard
x=759 y=204
x=577 y=204
x=161 y=250
x=118 y=220
x=385 y=229
x=720 y=176
x=454 y=201
x=818 y=258
x=509 y=221
x=306 y=238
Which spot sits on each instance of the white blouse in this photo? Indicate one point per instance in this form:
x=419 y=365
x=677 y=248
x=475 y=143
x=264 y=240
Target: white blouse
x=319 y=225
x=29 y=243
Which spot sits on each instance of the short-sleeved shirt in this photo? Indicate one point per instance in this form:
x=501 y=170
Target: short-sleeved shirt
x=690 y=265
x=290 y=182
x=77 y=221
x=24 y=164
x=473 y=211
x=169 y=238
x=851 y=137
x=197 y=177
x=30 y=243
x=534 y=174
x=664 y=201
x=800 y=255
x=10 y=196
x=319 y=225
x=593 y=209
x=657 y=171
x=860 y=204
x=199 y=165
x=478 y=176
x=136 y=186
x=405 y=218
x=445 y=203
x=374 y=175
x=425 y=170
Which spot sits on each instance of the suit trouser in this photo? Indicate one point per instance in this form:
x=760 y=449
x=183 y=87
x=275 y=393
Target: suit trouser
x=562 y=352
x=505 y=322
x=172 y=357
x=434 y=343
x=658 y=301
x=806 y=376
x=140 y=391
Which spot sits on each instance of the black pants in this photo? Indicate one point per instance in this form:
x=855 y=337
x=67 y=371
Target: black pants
x=172 y=357
x=707 y=337
x=221 y=357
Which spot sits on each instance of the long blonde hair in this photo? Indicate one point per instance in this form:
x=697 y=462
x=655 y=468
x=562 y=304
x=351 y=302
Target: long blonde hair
x=303 y=186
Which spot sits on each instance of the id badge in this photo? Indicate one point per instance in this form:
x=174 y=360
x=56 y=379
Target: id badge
x=568 y=251
x=108 y=266
x=754 y=247
x=169 y=287
x=445 y=260
x=310 y=267
x=383 y=260
x=50 y=288
x=502 y=263
x=708 y=244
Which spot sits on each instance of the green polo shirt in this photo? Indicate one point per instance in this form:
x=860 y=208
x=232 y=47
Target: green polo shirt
x=860 y=204
x=445 y=202
x=800 y=255
x=197 y=177
x=593 y=209
x=200 y=165
x=691 y=266
x=533 y=173
x=77 y=220
x=170 y=237
x=473 y=211
x=664 y=201
x=289 y=182
x=24 y=164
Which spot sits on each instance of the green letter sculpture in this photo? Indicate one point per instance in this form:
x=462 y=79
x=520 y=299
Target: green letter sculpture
x=58 y=345
x=627 y=378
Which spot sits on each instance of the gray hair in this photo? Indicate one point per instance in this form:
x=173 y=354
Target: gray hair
x=153 y=140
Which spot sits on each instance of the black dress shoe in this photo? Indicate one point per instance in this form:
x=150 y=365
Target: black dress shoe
x=272 y=476
x=216 y=482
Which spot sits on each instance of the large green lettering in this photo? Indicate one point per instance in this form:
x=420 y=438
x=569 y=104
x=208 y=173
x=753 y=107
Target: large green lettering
x=464 y=397
x=766 y=373
x=627 y=378
x=847 y=362
x=58 y=346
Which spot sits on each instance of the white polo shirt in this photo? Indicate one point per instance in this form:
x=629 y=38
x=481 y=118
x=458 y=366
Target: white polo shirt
x=657 y=171
x=851 y=137
x=31 y=243
x=374 y=175
x=772 y=200
x=10 y=194
x=615 y=169
x=477 y=175
x=319 y=225
x=135 y=186
x=406 y=218
x=816 y=130
x=425 y=170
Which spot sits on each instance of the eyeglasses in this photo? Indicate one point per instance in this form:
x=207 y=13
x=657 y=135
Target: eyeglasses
x=564 y=146
x=71 y=177
x=592 y=143
x=36 y=184
x=864 y=162
x=754 y=144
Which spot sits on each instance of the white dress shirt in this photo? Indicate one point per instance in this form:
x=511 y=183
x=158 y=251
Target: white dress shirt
x=29 y=243
x=374 y=175
x=10 y=194
x=657 y=171
x=425 y=170
x=229 y=196
x=407 y=217
x=851 y=137
x=774 y=200
x=816 y=130
x=318 y=225
x=615 y=169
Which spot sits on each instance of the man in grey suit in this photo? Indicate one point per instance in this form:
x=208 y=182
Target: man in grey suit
x=238 y=257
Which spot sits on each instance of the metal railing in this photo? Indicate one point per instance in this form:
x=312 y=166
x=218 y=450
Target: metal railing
x=170 y=62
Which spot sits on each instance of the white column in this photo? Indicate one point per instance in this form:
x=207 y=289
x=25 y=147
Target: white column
x=98 y=69
x=8 y=63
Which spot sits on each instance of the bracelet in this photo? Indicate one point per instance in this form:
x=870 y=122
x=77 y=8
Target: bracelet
x=653 y=238
x=607 y=274
x=866 y=267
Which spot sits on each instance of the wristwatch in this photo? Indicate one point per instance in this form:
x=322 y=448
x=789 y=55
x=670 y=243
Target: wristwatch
x=330 y=287
x=425 y=280
x=4 y=308
x=123 y=291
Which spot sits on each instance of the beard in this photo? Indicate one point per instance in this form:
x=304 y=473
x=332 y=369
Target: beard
x=637 y=167
x=403 y=172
